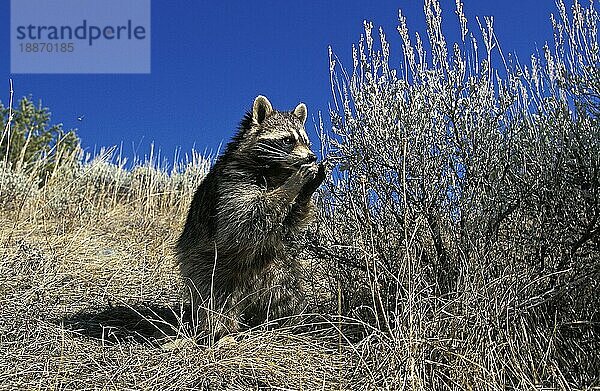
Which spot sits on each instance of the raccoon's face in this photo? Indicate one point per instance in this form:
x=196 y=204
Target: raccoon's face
x=279 y=139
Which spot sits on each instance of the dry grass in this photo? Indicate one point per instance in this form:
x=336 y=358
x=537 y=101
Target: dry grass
x=457 y=245
x=91 y=298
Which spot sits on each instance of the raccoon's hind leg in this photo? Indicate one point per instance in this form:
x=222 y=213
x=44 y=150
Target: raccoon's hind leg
x=222 y=323
x=279 y=295
x=214 y=310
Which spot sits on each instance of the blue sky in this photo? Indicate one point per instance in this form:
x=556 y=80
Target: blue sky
x=210 y=59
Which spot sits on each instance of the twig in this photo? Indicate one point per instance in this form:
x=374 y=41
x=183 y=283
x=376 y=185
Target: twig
x=7 y=127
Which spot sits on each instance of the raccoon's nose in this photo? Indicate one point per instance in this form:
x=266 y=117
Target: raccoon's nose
x=311 y=158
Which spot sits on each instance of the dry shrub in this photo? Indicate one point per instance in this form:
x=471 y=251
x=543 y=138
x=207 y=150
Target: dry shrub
x=461 y=225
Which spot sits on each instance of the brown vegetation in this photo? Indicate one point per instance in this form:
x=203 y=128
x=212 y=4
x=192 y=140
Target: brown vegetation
x=457 y=247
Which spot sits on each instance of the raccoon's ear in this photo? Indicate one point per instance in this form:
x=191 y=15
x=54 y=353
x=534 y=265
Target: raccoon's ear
x=300 y=111
x=261 y=109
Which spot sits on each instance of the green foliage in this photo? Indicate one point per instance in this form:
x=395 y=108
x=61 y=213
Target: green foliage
x=31 y=142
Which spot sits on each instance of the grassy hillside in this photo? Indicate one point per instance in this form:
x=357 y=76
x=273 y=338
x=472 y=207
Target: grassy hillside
x=91 y=298
x=457 y=244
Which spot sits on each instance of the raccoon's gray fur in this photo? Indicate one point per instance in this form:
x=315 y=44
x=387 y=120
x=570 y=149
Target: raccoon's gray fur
x=234 y=251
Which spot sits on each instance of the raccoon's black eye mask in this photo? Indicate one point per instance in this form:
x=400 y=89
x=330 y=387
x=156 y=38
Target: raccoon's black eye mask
x=283 y=145
x=288 y=141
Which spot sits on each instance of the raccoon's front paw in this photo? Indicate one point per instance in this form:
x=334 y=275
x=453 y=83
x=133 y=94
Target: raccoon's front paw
x=313 y=183
x=299 y=179
x=320 y=176
x=297 y=183
x=305 y=174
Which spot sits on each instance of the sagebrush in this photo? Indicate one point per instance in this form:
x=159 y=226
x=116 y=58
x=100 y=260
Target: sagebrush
x=462 y=223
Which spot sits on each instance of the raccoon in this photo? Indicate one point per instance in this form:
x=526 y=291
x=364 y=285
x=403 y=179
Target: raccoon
x=235 y=248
